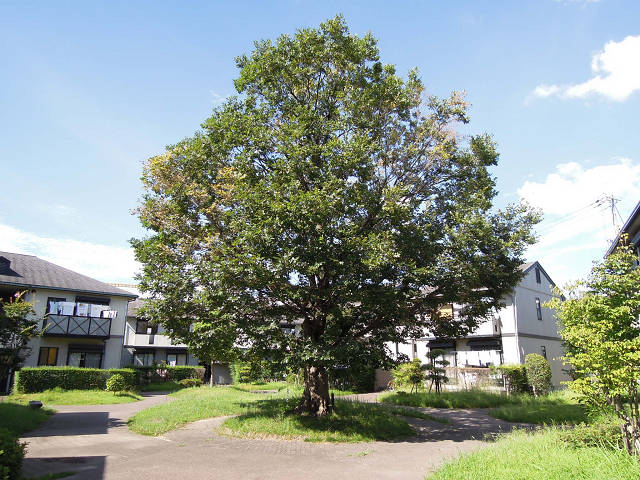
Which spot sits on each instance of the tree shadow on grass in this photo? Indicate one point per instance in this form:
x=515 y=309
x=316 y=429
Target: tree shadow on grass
x=353 y=421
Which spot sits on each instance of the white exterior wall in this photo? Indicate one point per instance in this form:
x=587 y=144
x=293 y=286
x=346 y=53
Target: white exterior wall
x=112 y=346
x=518 y=327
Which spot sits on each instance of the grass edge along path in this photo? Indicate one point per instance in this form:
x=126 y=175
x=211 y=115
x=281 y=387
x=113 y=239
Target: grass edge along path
x=262 y=415
x=58 y=396
x=19 y=419
x=540 y=455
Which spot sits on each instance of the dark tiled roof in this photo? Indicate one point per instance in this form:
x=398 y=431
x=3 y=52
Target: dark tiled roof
x=525 y=267
x=135 y=306
x=31 y=271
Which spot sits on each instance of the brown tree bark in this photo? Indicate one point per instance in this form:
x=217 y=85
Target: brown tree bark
x=315 y=399
x=212 y=380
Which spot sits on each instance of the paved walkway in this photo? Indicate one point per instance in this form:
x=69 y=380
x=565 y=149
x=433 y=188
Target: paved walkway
x=94 y=441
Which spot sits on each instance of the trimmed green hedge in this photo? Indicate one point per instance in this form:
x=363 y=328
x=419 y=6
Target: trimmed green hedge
x=158 y=374
x=38 y=379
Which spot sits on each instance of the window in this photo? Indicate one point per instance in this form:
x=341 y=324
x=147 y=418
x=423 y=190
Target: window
x=174 y=359
x=86 y=356
x=142 y=327
x=54 y=305
x=143 y=359
x=538 y=275
x=48 y=356
x=538 y=309
x=85 y=359
x=543 y=351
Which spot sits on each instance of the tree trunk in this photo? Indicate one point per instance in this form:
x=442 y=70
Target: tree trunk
x=212 y=379
x=315 y=399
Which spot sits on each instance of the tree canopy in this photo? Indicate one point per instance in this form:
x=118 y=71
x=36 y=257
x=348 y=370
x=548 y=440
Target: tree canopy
x=334 y=193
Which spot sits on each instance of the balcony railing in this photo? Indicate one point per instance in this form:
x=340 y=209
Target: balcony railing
x=73 y=326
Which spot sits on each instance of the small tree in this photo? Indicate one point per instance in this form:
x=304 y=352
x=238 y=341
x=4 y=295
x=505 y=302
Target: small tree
x=410 y=374
x=436 y=369
x=538 y=373
x=17 y=327
x=600 y=324
x=116 y=384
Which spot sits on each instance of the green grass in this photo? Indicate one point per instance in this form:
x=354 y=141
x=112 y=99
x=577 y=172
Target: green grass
x=191 y=404
x=264 y=415
x=540 y=455
x=75 y=397
x=461 y=399
x=161 y=387
x=541 y=413
x=351 y=422
x=19 y=418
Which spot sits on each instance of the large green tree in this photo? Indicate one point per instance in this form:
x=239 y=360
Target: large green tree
x=333 y=192
x=600 y=324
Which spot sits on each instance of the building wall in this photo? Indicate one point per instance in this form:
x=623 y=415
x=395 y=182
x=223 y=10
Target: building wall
x=112 y=346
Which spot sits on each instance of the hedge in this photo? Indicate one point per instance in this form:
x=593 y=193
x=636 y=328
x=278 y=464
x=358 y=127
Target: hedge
x=163 y=373
x=11 y=456
x=38 y=379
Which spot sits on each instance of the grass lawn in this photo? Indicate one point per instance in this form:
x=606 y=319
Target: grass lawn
x=75 y=397
x=19 y=418
x=557 y=407
x=351 y=422
x=541 y=413
x=264 y=415
x=461 y=399
x=540 y=455
x=191 y=404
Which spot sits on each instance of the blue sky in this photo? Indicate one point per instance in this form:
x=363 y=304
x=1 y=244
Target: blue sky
x=89 y=90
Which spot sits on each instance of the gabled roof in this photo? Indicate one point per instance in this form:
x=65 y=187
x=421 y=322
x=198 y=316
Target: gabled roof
x=33 y=272
x=631 y=226
x=526 y=267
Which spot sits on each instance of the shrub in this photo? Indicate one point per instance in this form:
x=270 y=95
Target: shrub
x=11 y=456
x=411 y=374
x=358 y=378
x=116 y=383
x=165 y=373
x=605 y=432
x=190 y=382
x=538 y=373
x=515 y=377
x=38 y=379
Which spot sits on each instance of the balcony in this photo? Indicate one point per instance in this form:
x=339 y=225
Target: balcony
x=74 y=326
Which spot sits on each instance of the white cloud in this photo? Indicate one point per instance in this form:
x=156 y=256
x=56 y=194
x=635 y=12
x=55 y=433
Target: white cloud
x=102 y=262
x=616 y=74
x=576 y=229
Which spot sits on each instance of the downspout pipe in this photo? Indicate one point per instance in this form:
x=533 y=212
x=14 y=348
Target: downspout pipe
x=514 y=302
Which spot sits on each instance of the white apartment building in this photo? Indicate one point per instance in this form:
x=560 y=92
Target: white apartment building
x=524 y=325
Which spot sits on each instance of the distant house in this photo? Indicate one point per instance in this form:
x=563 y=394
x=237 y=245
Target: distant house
x=145 y=344
x=630 y=229
x=521 y=327
x=83 y=319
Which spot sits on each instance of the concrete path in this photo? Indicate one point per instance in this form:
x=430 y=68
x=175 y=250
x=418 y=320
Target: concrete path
x=95 y=442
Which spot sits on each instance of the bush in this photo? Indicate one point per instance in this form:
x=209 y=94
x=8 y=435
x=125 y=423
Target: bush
x=116 y=383
x=38 y=379
x=538 y=373
x=605 y=432
x=190 y=382
x=357 y=378
x=11 y=456
x=515 y=377
x=411 y=374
